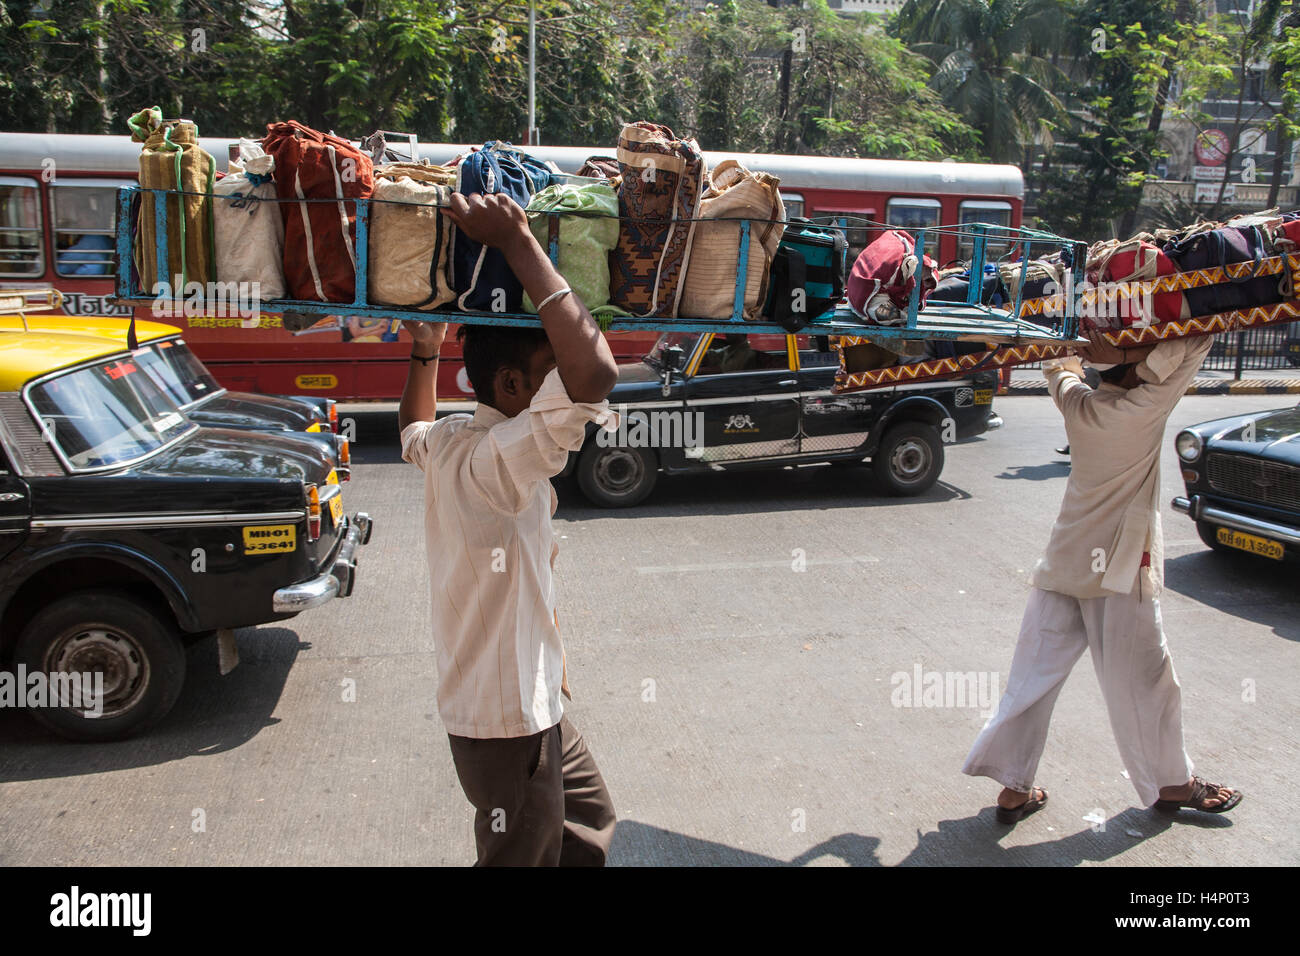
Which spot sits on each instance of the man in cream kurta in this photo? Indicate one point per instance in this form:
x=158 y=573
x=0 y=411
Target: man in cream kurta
x=538 y=797
x=1096 y=587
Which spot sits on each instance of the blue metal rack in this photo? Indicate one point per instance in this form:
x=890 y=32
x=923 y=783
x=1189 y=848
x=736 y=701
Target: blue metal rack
x=954 y=321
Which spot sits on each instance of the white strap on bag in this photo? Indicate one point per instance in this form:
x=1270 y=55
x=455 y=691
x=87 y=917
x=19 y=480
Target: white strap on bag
x=343 y=209
x=311 y=245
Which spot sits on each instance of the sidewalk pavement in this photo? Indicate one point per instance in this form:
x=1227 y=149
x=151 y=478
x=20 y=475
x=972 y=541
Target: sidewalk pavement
x=1030 y=381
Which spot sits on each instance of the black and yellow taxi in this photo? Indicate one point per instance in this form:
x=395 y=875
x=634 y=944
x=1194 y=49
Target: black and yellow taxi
x=732 y=401
x=1242 y=476
x=172 y=363
x=128 y=530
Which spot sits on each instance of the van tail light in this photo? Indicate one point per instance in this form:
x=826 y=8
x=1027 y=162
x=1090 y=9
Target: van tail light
x=344 y=469
x=334 y=417
x=313 y=511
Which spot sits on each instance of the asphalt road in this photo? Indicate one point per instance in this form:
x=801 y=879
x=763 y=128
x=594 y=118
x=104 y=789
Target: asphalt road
x=742 y=712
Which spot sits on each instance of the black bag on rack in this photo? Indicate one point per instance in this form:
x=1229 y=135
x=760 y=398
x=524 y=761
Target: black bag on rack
x=807 y=275
x=1225 y=246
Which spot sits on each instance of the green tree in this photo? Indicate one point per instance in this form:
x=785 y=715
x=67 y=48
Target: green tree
x=991 y=65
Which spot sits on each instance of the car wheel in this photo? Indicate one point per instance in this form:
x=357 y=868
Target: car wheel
x=1208 y=533
x=137 y=650
x=616 y=476
x=909 y=459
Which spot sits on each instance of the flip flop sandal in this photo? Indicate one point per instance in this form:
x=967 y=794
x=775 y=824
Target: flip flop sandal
x=1200 y=790
x=1013 y=814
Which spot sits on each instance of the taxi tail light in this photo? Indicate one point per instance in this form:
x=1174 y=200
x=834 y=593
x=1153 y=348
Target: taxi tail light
x=345 y=459
x=313 y=511
x=334 y=417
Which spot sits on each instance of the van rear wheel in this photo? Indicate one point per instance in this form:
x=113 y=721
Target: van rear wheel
x=616 y=476
x=909 y=459
x=132 y=653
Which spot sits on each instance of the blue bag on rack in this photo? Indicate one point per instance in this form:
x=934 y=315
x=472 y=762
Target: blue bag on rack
x=480 y=275
x=807 y=275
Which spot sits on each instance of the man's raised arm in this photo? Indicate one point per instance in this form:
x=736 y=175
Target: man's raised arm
x=582 y=356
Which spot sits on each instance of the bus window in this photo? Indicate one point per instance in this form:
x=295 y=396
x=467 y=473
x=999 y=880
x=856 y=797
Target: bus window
x=793 y=203
x=994 y=213
x=20 y=228
x=913 y=215
x=84 y=213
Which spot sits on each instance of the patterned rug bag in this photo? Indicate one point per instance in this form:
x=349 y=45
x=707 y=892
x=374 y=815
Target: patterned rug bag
x=658 y=201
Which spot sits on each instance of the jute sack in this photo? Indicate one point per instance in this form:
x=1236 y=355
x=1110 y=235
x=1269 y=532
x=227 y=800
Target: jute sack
x=171 y=159
x=734 y=193
x=248 y=227
x=410 y=236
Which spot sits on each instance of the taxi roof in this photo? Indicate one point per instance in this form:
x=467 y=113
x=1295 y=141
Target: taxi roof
x=93 y=325
x=28 y=355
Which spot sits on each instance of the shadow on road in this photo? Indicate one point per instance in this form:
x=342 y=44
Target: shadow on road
x=1045 y=472
x=214 y=714
x=1245 y=586
x=974 y=841
x=640 y=844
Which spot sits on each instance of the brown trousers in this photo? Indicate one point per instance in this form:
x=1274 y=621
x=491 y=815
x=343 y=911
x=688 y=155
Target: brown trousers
x=538 y=800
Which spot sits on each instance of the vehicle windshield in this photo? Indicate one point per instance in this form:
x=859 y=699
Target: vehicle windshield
x=684 y=340
x=178 y=372
x=107 y=414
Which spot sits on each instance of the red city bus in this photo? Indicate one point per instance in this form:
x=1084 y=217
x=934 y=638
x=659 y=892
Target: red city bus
x=58 y=207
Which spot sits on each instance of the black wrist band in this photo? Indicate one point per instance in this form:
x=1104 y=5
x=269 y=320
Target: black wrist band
x=422 y=360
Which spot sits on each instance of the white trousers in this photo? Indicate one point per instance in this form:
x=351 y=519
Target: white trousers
x=1137 y=680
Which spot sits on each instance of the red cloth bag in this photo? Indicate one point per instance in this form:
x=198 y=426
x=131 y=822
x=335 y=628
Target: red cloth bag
x=319 y=237
x=1135 y=261
x=884 y=274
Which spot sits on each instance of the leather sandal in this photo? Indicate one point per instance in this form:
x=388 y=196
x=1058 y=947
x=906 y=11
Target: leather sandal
x=1200 y=791
x=1032 y=804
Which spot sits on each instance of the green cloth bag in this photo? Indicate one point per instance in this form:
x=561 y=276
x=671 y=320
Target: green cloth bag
x=587 y=231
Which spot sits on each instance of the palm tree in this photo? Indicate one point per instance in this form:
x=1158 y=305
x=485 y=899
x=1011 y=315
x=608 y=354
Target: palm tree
x=991 y=64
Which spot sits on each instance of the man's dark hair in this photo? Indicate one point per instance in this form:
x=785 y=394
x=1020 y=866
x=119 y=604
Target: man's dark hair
x=1116 y=374
x=487 y=348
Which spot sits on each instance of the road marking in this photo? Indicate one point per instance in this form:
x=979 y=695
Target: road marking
x=749 y=565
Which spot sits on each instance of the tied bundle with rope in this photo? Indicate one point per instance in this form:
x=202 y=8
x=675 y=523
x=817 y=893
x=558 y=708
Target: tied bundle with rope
x=171 y=159
x=248 y=226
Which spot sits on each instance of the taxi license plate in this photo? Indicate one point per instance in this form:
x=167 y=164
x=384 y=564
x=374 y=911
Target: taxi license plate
x=336 y=503
x=983 y=396
x=270 y=538
x=1249 y=542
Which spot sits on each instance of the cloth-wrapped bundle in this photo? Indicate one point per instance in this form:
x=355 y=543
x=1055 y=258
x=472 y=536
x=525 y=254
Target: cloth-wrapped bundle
x=248 y=227
x=410 y=236
x=584 y=241
x=172 y=159
x=319 y=237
